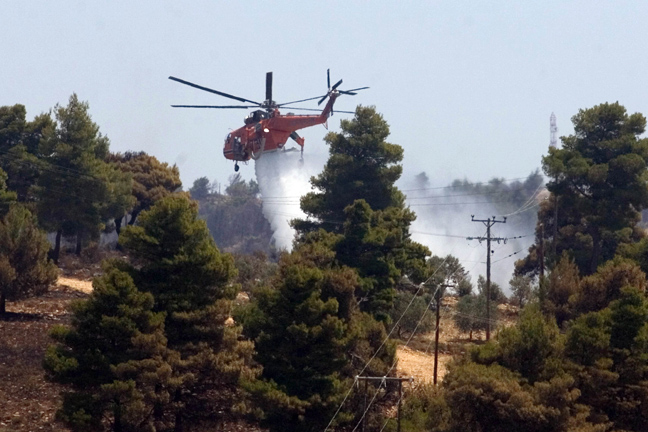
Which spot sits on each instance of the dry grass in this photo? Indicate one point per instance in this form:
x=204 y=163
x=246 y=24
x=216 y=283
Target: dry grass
x=417 y=357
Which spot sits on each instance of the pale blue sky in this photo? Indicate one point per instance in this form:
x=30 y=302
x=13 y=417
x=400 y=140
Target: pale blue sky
x=467 y=87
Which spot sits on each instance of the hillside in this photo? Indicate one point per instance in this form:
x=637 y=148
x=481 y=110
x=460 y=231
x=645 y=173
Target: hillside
x=29 y=402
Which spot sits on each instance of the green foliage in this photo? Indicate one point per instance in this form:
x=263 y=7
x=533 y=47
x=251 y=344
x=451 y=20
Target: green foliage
x=356 y=196
x=491 y=398
x=301 y=341
x=201 y=189
x=6 y=197
x=424 y=409
x=152 y=179
x=236 y=219
x=374 y=243
x=598 y=290
x=471 y=314
x=191 y=283
x=413 y=311
x=238 y=188
x=25 y=269
x=253 y=270
x=311 y=338
x=562 y=289
x=598 y=184
x=610 y=358
x=496 y=293
x=521 y=290
x=179 y=262
x=114 y=359
x=76 y=189
x=447 y=271
x=20 y=144
x=525 y=348
x=505 y=197
x=361 y=165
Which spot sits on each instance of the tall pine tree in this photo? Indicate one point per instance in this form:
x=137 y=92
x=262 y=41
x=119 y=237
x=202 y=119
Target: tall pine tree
x=191 y=283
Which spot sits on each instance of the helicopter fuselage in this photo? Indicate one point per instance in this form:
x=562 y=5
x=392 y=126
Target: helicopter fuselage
x=268 y=131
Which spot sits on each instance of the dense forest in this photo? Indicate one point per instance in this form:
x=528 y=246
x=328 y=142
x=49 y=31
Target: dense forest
x=165 y=343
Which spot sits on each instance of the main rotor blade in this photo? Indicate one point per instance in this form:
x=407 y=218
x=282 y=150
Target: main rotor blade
x=347 y=92
x=269 y=87
x=213 y=91
x=301 y=100
x=355 y=89
x=312 y=109
x=328 y=79
x=336 y=85
x=215 y=106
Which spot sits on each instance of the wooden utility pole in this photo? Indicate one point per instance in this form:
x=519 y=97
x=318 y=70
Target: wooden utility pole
x=383 y=380
x=489 y=223
x=438 y=297
x=541 y=252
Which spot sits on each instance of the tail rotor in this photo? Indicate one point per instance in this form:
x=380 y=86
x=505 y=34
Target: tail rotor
x=334 y=89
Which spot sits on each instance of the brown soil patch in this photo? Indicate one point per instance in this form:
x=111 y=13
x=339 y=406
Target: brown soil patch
x=420 y=365
x=417 y=358
x=84 y=286
x=27 y=401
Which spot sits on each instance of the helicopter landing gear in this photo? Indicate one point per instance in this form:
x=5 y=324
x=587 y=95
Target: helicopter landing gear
x=236 y=167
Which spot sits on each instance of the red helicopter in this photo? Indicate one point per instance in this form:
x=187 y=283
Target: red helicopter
x=266 y=130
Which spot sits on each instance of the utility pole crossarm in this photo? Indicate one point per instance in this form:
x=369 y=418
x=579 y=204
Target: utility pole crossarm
x=489 y=223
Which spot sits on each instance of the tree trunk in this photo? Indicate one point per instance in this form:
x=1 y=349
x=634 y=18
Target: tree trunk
x=134 y=215
x=57 y=247
x=596 y=252
x=117 y=426
x=158 y=408
x=470 y=336
x=3 y=303
x=118 y=224
x=77 y=251
x=178 y=427
x=178 y=422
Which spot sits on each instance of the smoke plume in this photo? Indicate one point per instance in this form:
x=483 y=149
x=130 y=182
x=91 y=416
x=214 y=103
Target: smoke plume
x=284 y=177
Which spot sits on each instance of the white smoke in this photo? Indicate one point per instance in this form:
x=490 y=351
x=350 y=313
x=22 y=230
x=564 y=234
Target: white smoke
x=284 y=177
x=443 y=215
x=444 y=223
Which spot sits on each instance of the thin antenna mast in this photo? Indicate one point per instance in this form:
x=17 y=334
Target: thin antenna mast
x=553 y=129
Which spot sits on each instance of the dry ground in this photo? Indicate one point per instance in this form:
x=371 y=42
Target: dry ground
x=416 y=359
x=27 y=401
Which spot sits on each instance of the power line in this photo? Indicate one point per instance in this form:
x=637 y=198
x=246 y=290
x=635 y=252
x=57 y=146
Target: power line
x=387 y=338
x=489 y=223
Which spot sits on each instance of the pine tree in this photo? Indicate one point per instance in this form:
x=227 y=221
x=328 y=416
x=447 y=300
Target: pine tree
x=190 y=280
x=311 y=338
x=25 y=269
x=152 y=180
x=113 y=358
x=21 y=143
x=361 y=165
x=598 y=184
x=76 y=188
x=356 y=196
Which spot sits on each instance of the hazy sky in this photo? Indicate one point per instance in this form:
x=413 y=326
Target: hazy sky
x=467 y=87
